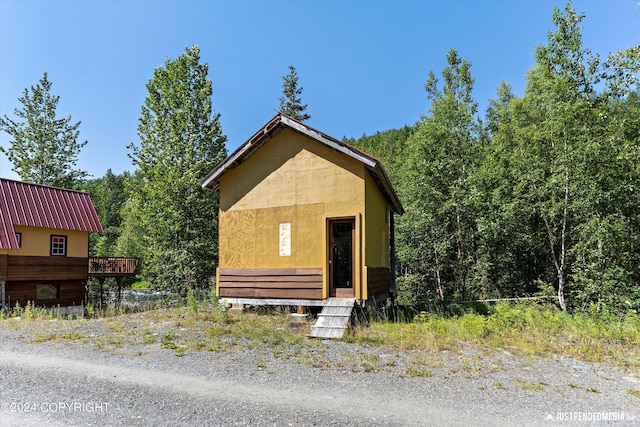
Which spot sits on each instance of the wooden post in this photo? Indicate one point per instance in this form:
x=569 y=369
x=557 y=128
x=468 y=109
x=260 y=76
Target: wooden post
x=119 y=291
x=101 y=281
x=301 y=309
x=392 y=252
x=392 y=262
x=2 y=293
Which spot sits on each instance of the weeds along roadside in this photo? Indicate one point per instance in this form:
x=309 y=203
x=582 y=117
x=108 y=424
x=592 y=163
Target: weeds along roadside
x=594 y=335
x=199 y=324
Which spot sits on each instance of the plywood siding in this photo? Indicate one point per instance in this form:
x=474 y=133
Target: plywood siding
x=293 y=170
x=376 y=226
x=291 y=179
x=23 y=268
x=237 y=242
x=285 y=283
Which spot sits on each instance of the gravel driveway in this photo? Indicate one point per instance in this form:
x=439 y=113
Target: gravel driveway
x=67 y=382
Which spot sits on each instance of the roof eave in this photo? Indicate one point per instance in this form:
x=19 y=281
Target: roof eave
x=267 y=132
x=384 y=183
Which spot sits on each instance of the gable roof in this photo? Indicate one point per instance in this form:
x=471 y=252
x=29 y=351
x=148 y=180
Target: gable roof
x=280 y=122
x=35 y=205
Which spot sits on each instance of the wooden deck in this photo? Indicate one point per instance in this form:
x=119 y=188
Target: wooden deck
x=113 y=266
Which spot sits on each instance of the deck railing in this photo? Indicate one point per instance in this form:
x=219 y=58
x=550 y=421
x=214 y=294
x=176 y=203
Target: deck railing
x=113 y=266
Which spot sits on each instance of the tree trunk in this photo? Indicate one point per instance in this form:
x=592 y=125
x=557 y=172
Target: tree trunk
x=437 y=274
x=461 y=253
x=563 y=305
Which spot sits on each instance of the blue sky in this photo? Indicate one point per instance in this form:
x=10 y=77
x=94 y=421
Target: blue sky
x=362 y=64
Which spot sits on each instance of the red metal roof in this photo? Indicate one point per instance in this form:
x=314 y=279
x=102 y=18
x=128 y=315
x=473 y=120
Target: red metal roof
x=35 y=205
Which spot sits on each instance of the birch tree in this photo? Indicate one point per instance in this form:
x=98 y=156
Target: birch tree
x=567 y=139
x=438 y=230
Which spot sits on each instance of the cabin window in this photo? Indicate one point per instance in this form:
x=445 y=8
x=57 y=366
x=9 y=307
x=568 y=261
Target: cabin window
x=58 y=245
x=47 y=291
x=19 y=238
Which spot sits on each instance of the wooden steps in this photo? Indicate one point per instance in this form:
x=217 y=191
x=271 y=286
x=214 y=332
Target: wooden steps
x=334 y=318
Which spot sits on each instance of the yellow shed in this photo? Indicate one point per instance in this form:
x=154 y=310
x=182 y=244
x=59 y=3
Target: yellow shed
x=303 y=217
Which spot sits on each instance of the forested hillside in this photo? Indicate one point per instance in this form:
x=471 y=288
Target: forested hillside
x=539 y=195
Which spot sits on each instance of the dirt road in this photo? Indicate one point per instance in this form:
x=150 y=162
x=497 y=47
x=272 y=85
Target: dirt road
x=57 y=383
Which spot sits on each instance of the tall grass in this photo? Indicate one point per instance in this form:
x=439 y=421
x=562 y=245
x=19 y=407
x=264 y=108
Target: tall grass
x=526 y=329
x=593 y=335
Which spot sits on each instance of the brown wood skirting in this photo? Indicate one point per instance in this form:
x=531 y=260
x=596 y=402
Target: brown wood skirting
x=20 y=268
x=3 y=267
x=296 y=283
x=378 y=281
x=69 y=293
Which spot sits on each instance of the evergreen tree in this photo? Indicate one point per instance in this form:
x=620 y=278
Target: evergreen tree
x=44 y=148
x=180 y=142
x=290 y=102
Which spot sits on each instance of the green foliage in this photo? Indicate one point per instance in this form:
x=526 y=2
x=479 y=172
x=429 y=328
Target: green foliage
x=141 y=285
x=290 y=102
x=109 y=197
x=390 y=147
x=169 y=218
x=44 y=148
x=437 y=234
x=595 y=334
x=541 y=199
x=561 y=142
x=192 y=302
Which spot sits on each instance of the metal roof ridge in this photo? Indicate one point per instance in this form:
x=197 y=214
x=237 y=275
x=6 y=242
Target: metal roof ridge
x=43 y=185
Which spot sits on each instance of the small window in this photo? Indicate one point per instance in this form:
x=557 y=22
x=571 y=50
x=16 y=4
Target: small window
x=19 y=238
x=47 y=291
x=58 y=245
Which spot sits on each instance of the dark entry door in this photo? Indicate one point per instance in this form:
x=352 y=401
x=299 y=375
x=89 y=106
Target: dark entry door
x=341 y=257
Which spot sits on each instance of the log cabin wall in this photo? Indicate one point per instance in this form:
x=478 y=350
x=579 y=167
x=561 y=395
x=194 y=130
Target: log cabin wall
x=26 y=273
